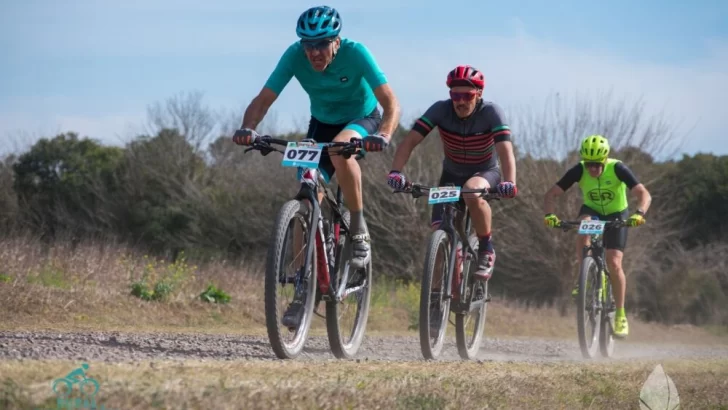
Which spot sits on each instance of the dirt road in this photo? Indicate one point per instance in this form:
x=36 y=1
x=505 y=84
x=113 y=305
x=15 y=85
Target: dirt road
x=119 y=347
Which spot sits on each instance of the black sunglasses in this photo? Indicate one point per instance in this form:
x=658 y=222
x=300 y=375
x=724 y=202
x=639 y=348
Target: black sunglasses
x=316 y=45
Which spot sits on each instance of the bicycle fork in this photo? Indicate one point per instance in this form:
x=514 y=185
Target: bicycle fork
x=316 y=234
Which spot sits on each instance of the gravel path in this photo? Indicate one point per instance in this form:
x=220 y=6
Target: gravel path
x=119 y=346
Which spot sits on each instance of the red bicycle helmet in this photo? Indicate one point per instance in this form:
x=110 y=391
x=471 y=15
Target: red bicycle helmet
x=465 y=75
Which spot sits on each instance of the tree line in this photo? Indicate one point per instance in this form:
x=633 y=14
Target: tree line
x=184 y=186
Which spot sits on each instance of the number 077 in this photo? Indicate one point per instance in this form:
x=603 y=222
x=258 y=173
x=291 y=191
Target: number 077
x=301 y=153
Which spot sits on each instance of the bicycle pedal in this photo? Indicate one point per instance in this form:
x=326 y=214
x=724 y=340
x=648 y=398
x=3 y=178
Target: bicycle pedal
x=326 y=298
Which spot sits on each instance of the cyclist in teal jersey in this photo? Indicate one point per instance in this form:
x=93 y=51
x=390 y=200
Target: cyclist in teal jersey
x=344 y=84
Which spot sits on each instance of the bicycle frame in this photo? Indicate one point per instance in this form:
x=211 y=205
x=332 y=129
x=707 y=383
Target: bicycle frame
x=311 y=180
x=458 y=235
x=596 y=247
x=327 y=269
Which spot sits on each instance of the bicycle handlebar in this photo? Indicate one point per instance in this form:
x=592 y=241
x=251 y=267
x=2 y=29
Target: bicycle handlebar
x=418 y=190
x=618 y=223
x=347 y=148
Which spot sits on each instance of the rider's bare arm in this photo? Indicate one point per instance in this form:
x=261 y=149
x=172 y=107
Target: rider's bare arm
x=257 y=108
x=572 y=176
x=643 y=197
x=274 y=85
x=549 y=206
x=390 y=106
x=376 y=79
x=420 y=129
x=507 y=160
x=625 y=174
x=404 y=149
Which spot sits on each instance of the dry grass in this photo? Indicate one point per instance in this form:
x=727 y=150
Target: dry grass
x=371 y=385
x=89 y=288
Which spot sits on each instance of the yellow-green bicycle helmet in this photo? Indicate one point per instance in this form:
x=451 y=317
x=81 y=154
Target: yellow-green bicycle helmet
x=594 y=148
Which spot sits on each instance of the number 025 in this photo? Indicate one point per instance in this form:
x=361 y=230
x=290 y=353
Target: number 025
x=444 y=194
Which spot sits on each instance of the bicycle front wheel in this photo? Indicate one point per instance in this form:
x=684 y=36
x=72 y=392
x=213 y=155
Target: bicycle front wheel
x=282 y=275
x=587 y=315
x=434 y=308
x=346 y=320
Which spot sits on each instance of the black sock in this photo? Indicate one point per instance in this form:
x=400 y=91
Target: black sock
x=485 y=243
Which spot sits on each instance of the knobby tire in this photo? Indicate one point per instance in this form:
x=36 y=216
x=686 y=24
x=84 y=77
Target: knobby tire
x=274 y=264
x=583 y=298
x=340 y=347
x=439 y=242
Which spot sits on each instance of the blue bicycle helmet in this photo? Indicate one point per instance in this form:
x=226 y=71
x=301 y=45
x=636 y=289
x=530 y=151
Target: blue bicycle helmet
x=318 y=22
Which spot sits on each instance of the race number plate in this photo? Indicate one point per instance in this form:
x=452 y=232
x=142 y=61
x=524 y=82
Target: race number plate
x=591 y=227
x=444 y=194
x=304 y=155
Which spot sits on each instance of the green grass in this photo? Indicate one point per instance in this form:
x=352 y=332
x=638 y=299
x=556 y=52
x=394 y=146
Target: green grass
x=376 y=385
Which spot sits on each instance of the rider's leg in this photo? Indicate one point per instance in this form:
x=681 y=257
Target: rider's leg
x=616 y=273
x=481 y=216
x=349 y=176
x=615 y=242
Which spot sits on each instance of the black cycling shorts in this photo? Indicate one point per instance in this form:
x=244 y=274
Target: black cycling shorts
x=492 y=175
x=613 y=238
x=322 y=132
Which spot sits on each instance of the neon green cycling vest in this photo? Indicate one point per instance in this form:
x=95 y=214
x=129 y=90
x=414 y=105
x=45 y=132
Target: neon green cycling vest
x=605 y=194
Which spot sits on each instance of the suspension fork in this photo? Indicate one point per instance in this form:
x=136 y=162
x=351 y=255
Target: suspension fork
x=316 y=237
x=597 y=253
x=466 y=250
x=447 y=226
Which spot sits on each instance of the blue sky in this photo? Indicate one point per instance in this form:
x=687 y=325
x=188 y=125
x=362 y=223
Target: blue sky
x=93 y=66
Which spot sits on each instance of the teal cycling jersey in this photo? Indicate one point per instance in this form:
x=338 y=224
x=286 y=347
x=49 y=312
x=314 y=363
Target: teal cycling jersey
x=341 y=93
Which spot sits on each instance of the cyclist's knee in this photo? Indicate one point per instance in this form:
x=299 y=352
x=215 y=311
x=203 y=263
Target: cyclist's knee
x=346 y=135
x=476 y=182
x=614 y=258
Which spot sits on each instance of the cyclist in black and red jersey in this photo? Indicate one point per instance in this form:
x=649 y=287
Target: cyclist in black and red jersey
x=471 y=130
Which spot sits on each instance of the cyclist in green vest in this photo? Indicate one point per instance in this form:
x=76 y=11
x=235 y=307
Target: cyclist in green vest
x=604 y=183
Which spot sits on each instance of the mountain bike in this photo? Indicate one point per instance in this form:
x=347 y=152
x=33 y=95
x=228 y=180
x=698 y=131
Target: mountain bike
x=326 y=249
x=595 y=300
x=457 y=252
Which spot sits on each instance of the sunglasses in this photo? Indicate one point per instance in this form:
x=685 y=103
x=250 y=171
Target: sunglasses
x=316 y=45
x=465 y=96
x=592 y=164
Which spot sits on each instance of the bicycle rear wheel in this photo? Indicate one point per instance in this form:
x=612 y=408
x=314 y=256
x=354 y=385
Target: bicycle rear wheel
x=606 y=332
x=469 y=341
x=288 y=343
x=437 y=257
x=587 y=316
x=345 y=338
